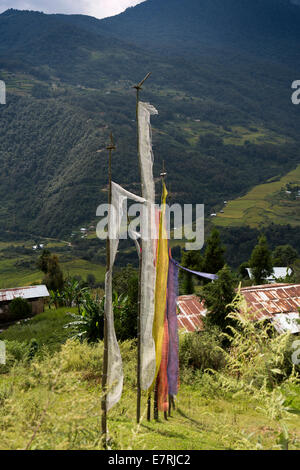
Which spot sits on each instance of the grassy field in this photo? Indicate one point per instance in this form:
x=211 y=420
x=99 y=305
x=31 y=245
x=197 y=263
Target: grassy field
x=14 y=276
x=263 y=205
x=47 y=328
x=71 y=418
x=53 y=402
x=235 y=135
x=82 y=268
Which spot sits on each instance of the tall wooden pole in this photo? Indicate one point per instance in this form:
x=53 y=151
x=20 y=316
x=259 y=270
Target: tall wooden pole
x=163 y=176
x=110 y=149
x=139 y=390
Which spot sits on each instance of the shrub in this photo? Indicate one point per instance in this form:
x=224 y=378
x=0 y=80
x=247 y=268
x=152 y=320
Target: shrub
x=258 y=356
x=201 y=350
x=32 y=349
x=15 y=352
x=88 y=323
x=20 y=308
x=218 y=296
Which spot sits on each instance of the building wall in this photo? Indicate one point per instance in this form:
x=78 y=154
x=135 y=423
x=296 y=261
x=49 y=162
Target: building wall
x=38 y=306
x=4 y=313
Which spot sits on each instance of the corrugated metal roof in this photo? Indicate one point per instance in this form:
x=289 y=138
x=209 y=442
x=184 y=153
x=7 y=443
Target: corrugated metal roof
x=30 y=292
x=190 y=313
x=272 y=301
x=286 y=322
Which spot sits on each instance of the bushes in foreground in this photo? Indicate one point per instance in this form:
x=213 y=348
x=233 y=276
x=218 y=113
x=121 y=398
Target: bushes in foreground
x=255 y=358
x=19 y=308
x=202 y=350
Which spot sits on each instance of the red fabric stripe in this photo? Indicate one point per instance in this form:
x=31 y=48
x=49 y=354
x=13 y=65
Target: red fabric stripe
x=162 y=381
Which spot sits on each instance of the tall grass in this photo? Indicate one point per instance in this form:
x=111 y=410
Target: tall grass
x=244 y=397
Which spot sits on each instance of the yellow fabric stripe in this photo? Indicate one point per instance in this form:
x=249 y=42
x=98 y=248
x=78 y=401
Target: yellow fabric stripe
x=162 y=267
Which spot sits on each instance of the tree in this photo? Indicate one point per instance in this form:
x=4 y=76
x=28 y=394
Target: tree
x=243 y=273
x=126 y=311
x=91 y=280
x=122 y=278
x=261 y=261
x=284 y=255
x=88 y=323
x=190 y=260
x=218 y=296
x=296 y=271
x=49 y=264
x=73 y=292
x=126 y=287
x=42 y=263
x=214 y=253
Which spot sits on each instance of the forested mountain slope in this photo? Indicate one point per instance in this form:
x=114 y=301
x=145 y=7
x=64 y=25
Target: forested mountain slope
x=226 y=120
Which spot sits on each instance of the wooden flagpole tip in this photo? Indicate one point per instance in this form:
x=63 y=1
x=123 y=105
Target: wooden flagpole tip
x=111 y=145
x=139 y=86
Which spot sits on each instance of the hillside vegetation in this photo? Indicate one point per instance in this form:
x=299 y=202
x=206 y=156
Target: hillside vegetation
x=265 y=204
x=50 y=392
x=225 y=121
x=18 y=261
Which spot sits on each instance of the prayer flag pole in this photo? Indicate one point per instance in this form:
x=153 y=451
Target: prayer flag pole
x=139 y=390
x=110 y=149
x=163 y=176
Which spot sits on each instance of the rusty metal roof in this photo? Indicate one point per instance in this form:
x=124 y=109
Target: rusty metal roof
x=277 y=302
x=272 y=301
x=286 y=322
x=190 y=313
x=30 y=292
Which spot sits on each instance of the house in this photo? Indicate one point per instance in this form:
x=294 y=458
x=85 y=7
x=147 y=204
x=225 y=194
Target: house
x=35 y=295
x=278 y=273
x=277 y=302
x=190 y=313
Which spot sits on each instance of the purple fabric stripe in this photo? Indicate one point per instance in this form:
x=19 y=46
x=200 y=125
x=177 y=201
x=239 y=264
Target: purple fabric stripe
x=213 y=277
x=173 y=356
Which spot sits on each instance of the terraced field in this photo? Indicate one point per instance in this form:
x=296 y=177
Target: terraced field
x=12 y=275
x=263 y=205
x=234 y=135
x=20 y=270
x=19 y=84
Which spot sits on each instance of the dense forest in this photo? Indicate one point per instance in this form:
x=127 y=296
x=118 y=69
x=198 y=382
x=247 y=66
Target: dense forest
x=225 y=124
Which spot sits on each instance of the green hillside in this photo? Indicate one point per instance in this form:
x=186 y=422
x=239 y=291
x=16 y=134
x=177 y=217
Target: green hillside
x=18 y=262
x=265 y=204
x=225 y=124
